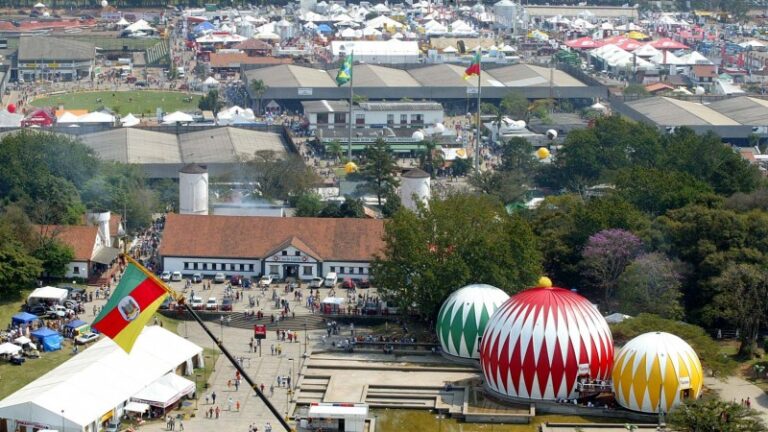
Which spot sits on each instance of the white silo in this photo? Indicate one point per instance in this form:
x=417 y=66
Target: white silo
x=509 y=15
x=193 y=190
x=414 y=188
x=100 y=218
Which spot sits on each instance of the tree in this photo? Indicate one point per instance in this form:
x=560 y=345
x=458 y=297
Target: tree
x=636 y=90
x=515 y=105
x=489 y=109
x=54 y=256
x=18 y=269
x=743 y=299
x=426 y=156
x=258 y=88
x=651 y=283
x=507 y=187
x=460 y=167
x=351 y=208
x=308 y=205
x=211 y=102
x=379 y=170
x=392 y=205
x=714 y=415
x=453 y=242
x=517 y=155
x=605 y=257
x=335 y=149
x=278 y=178
x=656 y=191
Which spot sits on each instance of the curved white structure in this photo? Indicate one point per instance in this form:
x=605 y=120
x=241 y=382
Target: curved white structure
x=656 y=370
x=464 y=316
x=100 y=218
x=540 y=341
x=193 y=190
x=415 y=187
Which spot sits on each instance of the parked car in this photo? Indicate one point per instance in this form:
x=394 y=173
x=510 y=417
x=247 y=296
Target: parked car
x=196 y=303
x=165 y=276
x=16 y=359
x=317 y=282
x=212 y=304
x=236 y=279
x=37 y=309
x=219 y=278
x=226 y=304
x=74 y=293
x=246 y=283
x=266 y=280
x=166 y=304
x=197 y=278
x=59 y=311
x=112 y=427
x=71 y=304
x=86 y=338
x=176 y=276
x=348 y=283
x=365 y=283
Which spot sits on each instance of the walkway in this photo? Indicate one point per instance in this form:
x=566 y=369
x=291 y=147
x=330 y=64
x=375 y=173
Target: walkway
x=735 y=389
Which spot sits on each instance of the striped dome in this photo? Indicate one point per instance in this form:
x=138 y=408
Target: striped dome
x=656 y=369
x=540 y=341
x=463 y=318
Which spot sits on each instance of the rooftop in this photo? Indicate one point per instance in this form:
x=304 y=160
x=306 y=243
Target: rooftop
x=81 y=238
x=255 y=237
x=291 y=76
x=37 y=48
x=666 y=111
x=367 y=75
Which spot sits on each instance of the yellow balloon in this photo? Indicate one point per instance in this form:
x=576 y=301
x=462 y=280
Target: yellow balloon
x=542 y=153
x=350 y=167
x=545 y=282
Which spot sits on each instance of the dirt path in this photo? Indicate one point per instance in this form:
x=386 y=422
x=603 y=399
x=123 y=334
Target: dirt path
x=735 y=389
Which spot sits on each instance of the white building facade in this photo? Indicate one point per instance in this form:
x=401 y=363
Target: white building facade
x=334 y=114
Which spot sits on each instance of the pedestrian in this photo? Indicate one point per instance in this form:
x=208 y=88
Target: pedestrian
x=237 y=385
x=206 y=399
x=229 y=403
x=229 y=384
x=210 y=413
x=271 y=389
x=217 y=413
x=213 y=397
x=237 y=404
x=262 y=387
x=181 y=425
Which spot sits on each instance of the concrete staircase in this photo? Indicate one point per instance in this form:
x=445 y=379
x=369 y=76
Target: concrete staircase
x=240 y=320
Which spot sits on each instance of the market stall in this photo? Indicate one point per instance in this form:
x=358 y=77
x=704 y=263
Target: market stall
x=345 y=417
x=47 y=295
x=76 y=328
x=23 y=319
x=332 y=305
x=165 y=391
x=49 y=340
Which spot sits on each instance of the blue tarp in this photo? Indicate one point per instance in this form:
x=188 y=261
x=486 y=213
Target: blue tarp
x=50 y=340
x=203 y=27
x=75 y=324
x=324 y=28
x=23 y=318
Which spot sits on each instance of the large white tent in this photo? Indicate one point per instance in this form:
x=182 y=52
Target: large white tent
x=177 y=117
x=77 y=394
x=47 y=293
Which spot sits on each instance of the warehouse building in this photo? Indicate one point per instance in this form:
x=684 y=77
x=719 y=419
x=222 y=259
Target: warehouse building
x=302 y=248
x=54 y=58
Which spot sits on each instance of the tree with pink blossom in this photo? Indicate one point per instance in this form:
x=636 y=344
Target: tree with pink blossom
x=606 y=255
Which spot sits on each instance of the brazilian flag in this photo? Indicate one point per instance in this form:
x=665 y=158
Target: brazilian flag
x=345 y=72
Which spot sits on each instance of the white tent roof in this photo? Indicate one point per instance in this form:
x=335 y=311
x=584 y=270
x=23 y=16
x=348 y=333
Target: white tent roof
x=96 y=117
x=646 y=50
x=8 y=119
x=370 y=31
x=165 y=390
x=39 y=6
x=392 y=47
x=67 y=117
x=582 y=23
x=177 y=117
x=382 y=21
x=211 y=81
x=49 y=293
x=123 y=22
x=21 y=340
x=693 y=58
x=450 y=49
x=616 y=318
x=130 y=120
x=334 y=300
x=102 y=377
x=139 y=25
x=351 y=33
x=136 y=407
x=9 y=348
x=381 y=8
x=267 y=36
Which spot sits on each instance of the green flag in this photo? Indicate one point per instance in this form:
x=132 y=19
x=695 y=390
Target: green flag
x=345 y=71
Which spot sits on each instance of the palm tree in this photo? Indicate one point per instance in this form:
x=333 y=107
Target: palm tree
x=258 y=88
x=334 y=149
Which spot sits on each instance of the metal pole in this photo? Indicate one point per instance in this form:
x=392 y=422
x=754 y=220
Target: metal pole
x=351 y=96
x=477 y=137
x=239 y=368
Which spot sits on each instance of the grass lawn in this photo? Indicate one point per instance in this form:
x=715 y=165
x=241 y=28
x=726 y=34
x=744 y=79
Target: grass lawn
x=13 y=377
x=9 y=308
x=123 y=102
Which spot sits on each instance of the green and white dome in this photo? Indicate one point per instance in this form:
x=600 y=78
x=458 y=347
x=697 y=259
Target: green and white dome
x=463 y=317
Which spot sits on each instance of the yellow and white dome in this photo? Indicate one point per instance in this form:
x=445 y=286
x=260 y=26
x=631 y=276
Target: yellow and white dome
x=656 y=370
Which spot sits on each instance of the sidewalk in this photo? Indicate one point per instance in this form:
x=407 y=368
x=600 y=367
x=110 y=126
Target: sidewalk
x=735 y=389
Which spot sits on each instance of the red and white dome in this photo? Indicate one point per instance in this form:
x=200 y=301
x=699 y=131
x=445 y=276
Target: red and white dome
x=541 y=340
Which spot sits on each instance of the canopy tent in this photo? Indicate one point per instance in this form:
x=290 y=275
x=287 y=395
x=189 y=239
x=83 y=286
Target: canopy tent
x=103 y=377
x=177 y=117
x=75 y=324
x=138 y=26
x=137 y=407
x=129 y=121
x=211 y=82
x=693 y=58
x=324 y=28
x=123 y=22
x=583 y=43
x=668 y=44
x=8 y=348
x=236 y=115
x=10 y=120
x=646 y=51
x=165 y=391
x=636 y=35
x=96 y=117
x=23 y=318
x=580 y=23
x=616 y=318
x=49 y=339
x=22 y=340
x=267 y=36
x=67 y=117
x=47 y=293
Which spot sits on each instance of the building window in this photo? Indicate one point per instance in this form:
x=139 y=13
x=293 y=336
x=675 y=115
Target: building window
x=297 y=253
x=417 y=119
x=322 y=118
x=333 y=269
x=76 y=270
x=360 y=119
x=186 y=265
x=362 y=270
x=351 y=270
x=390 y=119
x=194 y=266
x=307 y=270
x=340 y=118
x=285 y=253
x=274 y=269
x=403 y=119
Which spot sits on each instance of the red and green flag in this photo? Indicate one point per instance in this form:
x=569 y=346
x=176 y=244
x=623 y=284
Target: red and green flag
x=474 y=68
x=135 y=299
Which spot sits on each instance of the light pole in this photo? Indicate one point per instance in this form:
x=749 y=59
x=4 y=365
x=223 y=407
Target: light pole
x=306 y=337
x=293 y=364
x=62 y=420
x=221 y=321
x=197 y=390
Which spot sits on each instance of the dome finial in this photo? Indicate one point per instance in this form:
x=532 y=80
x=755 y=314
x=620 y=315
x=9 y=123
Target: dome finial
x=545 y=282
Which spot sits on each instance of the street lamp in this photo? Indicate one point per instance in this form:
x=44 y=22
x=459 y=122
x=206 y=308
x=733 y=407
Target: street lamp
x=221 y=321
x=62 y=420
x=293 y=364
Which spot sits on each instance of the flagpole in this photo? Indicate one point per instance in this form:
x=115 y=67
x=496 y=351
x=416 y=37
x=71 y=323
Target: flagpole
x=181 y=300
x=479 y=90
x=351 y=96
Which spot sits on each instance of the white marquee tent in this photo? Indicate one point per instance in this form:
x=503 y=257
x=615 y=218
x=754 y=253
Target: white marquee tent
x=45 y=293
x=99 y=380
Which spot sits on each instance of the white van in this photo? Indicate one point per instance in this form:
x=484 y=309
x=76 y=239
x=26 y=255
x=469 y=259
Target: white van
x=317 y=282
x=331 y=279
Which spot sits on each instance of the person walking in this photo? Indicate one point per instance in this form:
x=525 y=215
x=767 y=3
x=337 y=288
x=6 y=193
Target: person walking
x=181 y=425
x=229 y=403
x=237 y=406
x=271 y=389
x=213 y=397
x=217 y=413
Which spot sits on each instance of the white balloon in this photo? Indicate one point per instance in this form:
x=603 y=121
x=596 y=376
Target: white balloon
x=104 y=3
x=439 y=128
x=418 y=135
x=551 y=134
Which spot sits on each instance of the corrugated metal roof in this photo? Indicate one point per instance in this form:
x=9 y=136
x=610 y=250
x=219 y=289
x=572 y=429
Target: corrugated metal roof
x=291 y=76
x=525 y=75
x=672 y=112
x=378 y=76
x=745 y=110
x=36 y=48
x=401 y=106
x=226 y=145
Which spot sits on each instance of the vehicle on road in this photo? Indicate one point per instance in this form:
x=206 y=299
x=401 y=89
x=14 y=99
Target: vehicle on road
x=86 y=338
x=37 y=309
x=165 y=276
x=197 y=303
x=59 y=311
x=364 y=283
x=317 y=282
x=348 y=283
x=197 y=278
x=331 y=279
x=236 y=279
x=176 y=276
x=166 y=304
x=219 y=278
x=212 y=304
x=266 y=281
x=112 y=427
x=226 y=304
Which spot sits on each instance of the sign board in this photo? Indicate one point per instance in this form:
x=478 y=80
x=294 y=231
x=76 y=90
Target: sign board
x=260 y=331
x=290 y=258
x=584 y=369
x=685 y=383
x=304 y=91
x=472 y=90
